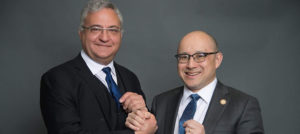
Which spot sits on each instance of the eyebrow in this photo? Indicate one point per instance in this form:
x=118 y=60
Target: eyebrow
x=113 y=26
x=199 y=52
x=193 y=53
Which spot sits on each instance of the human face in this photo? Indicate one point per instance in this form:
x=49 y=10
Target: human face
x=101 y=47
x=197 y=75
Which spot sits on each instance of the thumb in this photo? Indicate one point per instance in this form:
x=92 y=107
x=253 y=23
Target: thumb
x=124 y=97
x=147 y=115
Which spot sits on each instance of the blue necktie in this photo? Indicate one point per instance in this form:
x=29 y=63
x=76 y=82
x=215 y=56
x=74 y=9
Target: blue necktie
x=188 y=112
x=114 y=90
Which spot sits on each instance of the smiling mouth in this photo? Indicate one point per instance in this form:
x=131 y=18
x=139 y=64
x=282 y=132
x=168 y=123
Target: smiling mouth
x=192 y=73
x=105 y=45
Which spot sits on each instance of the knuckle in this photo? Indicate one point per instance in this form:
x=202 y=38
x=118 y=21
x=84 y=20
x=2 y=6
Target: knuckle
x=134 y=117
x=133 y=104
x=129 y=120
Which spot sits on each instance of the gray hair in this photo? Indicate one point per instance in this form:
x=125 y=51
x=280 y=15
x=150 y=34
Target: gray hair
x=96 y=5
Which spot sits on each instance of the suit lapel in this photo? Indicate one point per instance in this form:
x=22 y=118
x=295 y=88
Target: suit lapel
x=215 y=109
x=172 y=110
x=98 y=88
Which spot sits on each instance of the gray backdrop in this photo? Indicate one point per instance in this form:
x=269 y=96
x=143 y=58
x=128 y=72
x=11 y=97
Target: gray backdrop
x=259 y=39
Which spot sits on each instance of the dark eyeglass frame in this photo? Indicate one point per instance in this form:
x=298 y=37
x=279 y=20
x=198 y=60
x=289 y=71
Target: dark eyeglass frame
x=200 y=58
x=98 y=29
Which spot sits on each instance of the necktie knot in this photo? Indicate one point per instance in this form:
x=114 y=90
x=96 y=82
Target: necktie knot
x=195 y=97
x=106 y=70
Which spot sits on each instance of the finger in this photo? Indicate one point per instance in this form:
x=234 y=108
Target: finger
x=141 y=114
x=144 y=109
x=137 y=115
x=147 y=115
x=129 y=103
x=125 y=96
x=130 y=121
x=128 y=97
x=194 y=124
x=125 y=105
x=194 y=127
x=135 y=120
x=152 y=117
x=185 y=124
x=126 y=100
x=136 y=104
x=187 y=130
x=129 y=125
x=189 y=123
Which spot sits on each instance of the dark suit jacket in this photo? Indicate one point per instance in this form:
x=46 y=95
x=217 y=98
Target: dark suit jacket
x=240 y=115
x=74 y=101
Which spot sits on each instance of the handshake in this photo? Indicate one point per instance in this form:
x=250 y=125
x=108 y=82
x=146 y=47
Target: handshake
x=142 y=121
x=139 y=119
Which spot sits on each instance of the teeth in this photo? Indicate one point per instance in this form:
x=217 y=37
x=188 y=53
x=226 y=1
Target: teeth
x=100 y=44
x=192 y=74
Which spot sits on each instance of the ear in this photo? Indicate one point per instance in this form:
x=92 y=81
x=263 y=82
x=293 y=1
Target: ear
x=219 y=58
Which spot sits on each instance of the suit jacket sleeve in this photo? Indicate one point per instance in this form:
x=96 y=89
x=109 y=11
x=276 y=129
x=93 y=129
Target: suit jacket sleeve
x=251 y=120
x=58 y=105
x=153 y=106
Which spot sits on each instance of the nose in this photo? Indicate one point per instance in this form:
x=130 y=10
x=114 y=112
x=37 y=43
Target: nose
x=191 y=63
x=103 y=36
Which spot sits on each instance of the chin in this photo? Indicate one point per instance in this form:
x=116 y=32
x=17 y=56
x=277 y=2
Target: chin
x=191 y=87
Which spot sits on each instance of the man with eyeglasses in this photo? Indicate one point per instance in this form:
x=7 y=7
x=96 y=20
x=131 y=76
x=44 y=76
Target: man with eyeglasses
x=92 y=94
x=203 y=104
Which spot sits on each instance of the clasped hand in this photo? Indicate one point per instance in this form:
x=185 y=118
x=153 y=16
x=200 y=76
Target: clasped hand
x=132 y=102
x=142 y=122
x=135 y=105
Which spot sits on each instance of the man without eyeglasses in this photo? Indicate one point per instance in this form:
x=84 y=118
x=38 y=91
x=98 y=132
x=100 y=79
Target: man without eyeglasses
x=92 y=94
x=203 y=104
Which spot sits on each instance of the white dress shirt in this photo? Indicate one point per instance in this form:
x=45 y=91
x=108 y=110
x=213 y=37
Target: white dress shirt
x=202 y=104
x=96 y=69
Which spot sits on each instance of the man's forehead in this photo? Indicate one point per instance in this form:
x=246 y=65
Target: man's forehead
x=103 y=20
x=196 y=45
x=104 y=14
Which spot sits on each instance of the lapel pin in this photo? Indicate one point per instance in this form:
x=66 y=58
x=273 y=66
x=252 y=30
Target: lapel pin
x=223 y=101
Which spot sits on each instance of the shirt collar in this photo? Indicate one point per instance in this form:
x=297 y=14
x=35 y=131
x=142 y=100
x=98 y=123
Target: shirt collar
x=96 y=67
x=205 y=93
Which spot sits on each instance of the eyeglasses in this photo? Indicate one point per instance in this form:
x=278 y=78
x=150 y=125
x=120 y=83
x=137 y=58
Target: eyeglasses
x=198 y=57
x=99 y=30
